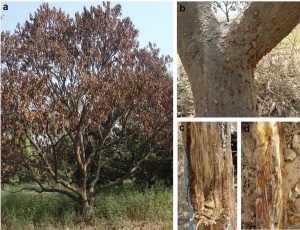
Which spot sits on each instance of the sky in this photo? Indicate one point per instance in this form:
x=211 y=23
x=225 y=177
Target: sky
x=152 y=19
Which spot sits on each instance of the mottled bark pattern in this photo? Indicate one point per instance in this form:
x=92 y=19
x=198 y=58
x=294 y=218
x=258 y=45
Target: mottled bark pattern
x=270 y=183
x=220 y=59
x=211 y=176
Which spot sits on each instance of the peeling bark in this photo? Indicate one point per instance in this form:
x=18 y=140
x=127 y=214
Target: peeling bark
x=264 y=179
x=270 y=179
x=220 y=59
x=248 y=196
x=211 y=175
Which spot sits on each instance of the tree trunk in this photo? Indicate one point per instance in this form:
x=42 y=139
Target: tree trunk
x=270 y=183
x=87 y=211
x=227 y=12
x=248 y=196
x=227 y=16
x=220 y=59
x=264 y=191
x=87 y=198
x=211 y=177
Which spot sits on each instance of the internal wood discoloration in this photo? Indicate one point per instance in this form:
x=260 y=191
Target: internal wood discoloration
x=211 y=175
x=271 y=199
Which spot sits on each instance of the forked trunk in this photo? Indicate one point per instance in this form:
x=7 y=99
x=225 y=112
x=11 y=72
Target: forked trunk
x=220 y=58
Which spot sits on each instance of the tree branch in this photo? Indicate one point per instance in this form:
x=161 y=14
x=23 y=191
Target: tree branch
x=117 y=142
x=44 y=189
x=120 y=180
x=220 y=7
x=264 y=25
x=106 y=135
x=99 y=166
x=49 y=168
x=78 y=142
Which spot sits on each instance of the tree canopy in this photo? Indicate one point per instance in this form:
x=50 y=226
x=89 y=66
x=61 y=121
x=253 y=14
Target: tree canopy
x=79 y=94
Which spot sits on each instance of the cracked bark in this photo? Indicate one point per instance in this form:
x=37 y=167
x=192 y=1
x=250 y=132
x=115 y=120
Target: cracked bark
x=220 y=59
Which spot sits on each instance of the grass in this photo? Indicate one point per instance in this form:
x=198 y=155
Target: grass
x=119 y=208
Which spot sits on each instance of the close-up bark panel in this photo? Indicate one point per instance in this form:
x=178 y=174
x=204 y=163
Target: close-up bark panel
x=220 y=58
x=270 y=176
x=210 y=172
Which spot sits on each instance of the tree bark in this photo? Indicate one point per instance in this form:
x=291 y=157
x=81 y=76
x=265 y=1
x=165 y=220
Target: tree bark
x=248 y=196
x=211 y=178
x=270 y=183
x=264 y=186
x=220 y=59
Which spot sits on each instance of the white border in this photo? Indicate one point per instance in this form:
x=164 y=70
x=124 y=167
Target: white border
x=237 y=120
x=239 y=174
x=177 y=120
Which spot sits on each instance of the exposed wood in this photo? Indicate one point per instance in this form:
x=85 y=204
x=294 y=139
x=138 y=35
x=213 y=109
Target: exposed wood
x=211 y=175
x=248 y=196
x=270 y=179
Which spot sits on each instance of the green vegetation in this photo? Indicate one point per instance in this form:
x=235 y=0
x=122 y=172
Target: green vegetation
x=117 y=207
